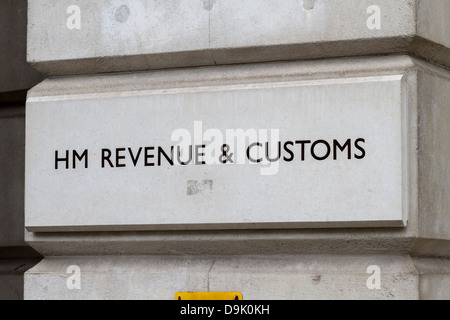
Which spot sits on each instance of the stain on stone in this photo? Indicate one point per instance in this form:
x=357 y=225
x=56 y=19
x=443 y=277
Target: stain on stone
x=316 y=280
x=197 y=187
x=122 y=13
x=208 y=4
x=308 y=4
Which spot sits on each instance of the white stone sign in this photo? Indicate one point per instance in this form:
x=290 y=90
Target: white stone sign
x=320 y=153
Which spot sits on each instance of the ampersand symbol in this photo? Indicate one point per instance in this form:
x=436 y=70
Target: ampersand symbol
x=225 y=157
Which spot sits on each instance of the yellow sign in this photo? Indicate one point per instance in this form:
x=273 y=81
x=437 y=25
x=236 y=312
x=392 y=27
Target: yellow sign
x=208 y=296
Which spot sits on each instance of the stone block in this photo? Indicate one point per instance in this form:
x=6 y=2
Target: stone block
x=111 y=161
x=257 y=278
x=109 y=36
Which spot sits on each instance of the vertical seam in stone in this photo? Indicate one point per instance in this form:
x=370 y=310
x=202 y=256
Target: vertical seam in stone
x=209 y=271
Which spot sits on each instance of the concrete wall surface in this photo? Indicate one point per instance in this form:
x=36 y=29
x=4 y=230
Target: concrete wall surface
x=432 y=21
x=434 y=134
x=96 y=36
x=434 y=278
x=117 y=53
x=269 y=277
x=256 y=277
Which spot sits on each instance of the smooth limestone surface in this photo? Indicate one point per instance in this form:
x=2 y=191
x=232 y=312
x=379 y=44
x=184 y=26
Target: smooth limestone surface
x=256 y=277
x=94 y=160
x=127 y=35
